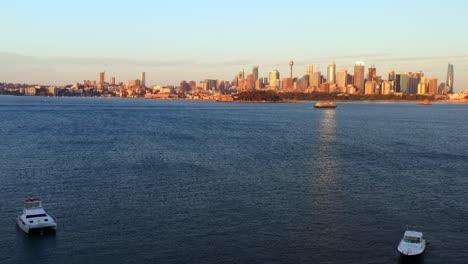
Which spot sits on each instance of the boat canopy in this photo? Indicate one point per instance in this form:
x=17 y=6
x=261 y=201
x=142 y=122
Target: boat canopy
x=413 y=234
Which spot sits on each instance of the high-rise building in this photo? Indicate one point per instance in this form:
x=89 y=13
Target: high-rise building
x=422 y=86
x=404 y=79
x=359 y=76
x=372 y=73
x=386 y=87
x=310 y=73
x=242 y=74
x=255 y=72
x=287 y=84
x=250 y=83
x=432 y=86
x=143 y=79
x=413 y=82
x=274 y=77
x=101 y=77
x=113 y=80
x=370 y=87
x=317 y=80
x=331 y=73
x=342 y=78
x=450 y=75
x=391 y=76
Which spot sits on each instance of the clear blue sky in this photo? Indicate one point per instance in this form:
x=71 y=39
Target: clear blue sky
x=60 y=42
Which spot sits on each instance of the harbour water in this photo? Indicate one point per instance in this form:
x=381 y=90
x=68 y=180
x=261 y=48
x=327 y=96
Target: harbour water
x=139 y=181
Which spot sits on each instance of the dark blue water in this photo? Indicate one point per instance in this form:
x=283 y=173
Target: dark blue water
x=134 y=181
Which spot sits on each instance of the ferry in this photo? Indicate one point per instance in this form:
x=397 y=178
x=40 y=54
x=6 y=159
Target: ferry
x=425 y=102
x=325 y=105
x=34 y=217
x=412 y=243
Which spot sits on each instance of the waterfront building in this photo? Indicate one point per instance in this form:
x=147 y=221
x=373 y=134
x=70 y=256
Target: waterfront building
x=143 y=79
x=450 y=76
x=331 y=73
x=386 y=88
x=101 y=78
x=342 y=78
x=359 y=76
x=30 y=91
x=433 y=86
x=370 y=87
x=325 y=87
x=113 y=80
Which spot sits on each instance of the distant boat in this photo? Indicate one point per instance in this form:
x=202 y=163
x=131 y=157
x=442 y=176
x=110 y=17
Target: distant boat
x=412 y=243
x=325 y=105
x=425 y=102
x=34 y=217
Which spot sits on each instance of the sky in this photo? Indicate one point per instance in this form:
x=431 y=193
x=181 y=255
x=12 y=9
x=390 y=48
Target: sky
x=63 y=42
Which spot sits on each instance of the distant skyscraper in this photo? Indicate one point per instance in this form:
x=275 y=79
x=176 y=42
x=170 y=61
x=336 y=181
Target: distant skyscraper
x=342 y=78
x=370 y=87
x=317 y=80
x=359 y=76
x=372 y=73
x=113 y=80
x=143 y=79
x=391 y=76
x=101 y=78
x=433 y=86
x=310 y=72
x=404 y=81
x=331 y=73
x=242 y=74
x=274 y=77
x=450 y=75
x=255 y=72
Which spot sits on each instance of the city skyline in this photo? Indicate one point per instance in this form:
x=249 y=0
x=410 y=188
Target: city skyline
x=62 y=43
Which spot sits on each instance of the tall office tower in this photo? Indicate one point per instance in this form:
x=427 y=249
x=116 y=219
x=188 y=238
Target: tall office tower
x=310 y=72
x=317 y=80
x=242 y=74
x=255 y=72
x=449 y=82
x=359 y=76
x=143 y=79
x=331 y=73
x=432 y=86
x=391 y=76
x=274 y=77
x=342 y=78
x=422 y=86
x=413 y=82
x=287 y=84
x=101 y=78
x=372 y=73
x=113 y=80
x=291 y=64
x=250 y=83
x=404 y=81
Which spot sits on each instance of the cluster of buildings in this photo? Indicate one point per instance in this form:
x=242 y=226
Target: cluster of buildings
x=343 y=82
x=332 y=81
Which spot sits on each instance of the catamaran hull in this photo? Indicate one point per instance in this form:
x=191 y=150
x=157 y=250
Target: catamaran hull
x=36 y=228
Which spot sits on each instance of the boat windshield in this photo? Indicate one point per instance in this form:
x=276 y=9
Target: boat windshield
x=408 y=239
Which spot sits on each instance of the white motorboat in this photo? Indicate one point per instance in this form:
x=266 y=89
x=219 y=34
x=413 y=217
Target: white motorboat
x=412 y=243
x=34 y=217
